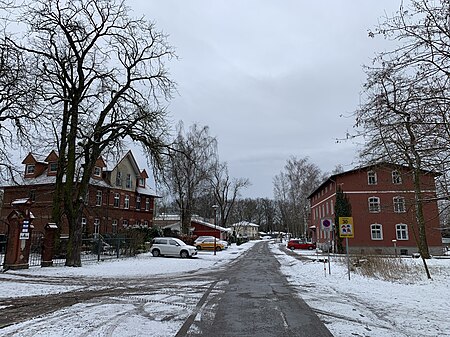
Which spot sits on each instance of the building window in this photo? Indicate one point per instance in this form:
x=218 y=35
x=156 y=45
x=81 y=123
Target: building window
x=96 y=227
x=30 y=169
x=127 y=202
x=147 y=204
x=97 y=171
x=399 y=205
x=138 y=203
x=372 y=178
x=402 y=231
x=53 y=167
x=145 y=223
x=396 y=177
x=125 y=223
x=374 y=205
x=114 y=226
x=332 y=206
x=376 y=232
x=141 y=182
x=84 y=225
x=98 y=198
x=118 y=178
x=116 y=200
x=328 y=210
x=128 y=181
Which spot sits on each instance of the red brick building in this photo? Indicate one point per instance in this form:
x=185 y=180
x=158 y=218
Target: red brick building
x=118 y=197
x=382 y=199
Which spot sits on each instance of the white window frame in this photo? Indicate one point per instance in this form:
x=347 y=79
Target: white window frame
x=399 y=204
x=116 y=200
x=114 y=226
x=138 y=203
x=376 y=232
x=126 y=204
x=124 y=223
x=30 y=169
x=52 y=167
x=401 y=232
x=99 y=198
x=396 y=177
x=128 y=182
x=374 y=205
x=97 y=171
x=147 y=204
x=96 y=227
x=119 y=178
x=372 y=178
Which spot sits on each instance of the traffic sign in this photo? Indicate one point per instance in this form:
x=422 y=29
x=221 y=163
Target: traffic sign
x=327 y=224
x=346 y=227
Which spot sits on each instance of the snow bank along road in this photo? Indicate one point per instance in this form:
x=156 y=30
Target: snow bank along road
x=180 y=304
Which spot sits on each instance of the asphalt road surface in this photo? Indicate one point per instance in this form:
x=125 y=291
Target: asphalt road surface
x=258 y=301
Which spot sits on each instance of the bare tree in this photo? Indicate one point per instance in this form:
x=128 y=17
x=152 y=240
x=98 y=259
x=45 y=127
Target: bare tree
x=189 y=168
x=404 y=116
x=291 y=189
x=225 y=191
x=103 y=79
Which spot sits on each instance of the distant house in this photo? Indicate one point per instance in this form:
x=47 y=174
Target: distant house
x=245 y=229
x=382 y=199
x=199 y=226
x=118 y=197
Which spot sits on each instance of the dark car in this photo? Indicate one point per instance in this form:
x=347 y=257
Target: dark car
x=301 y=244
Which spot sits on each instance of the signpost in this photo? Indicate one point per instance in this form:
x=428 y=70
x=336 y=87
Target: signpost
x=327 y=226
x=346 y=231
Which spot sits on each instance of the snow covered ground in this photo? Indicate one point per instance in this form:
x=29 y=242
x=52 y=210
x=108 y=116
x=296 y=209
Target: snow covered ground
x=357 y=307
x=363 y=306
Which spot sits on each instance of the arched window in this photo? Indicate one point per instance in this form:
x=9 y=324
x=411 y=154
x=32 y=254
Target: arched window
x=399 y=205
x=396 y=177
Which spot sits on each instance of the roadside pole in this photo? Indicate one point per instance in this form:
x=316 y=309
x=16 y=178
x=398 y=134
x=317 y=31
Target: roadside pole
x=346 y=231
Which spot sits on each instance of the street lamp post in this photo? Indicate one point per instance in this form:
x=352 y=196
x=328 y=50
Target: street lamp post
x=215 y=226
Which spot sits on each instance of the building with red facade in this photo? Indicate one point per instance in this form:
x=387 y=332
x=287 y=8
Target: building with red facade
x=383 y=209
x=118 y=197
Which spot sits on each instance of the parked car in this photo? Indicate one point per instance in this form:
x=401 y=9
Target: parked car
x=208 y=243
x=301 y=244
x=172 y=247
x=201 y=238
x=266 y=237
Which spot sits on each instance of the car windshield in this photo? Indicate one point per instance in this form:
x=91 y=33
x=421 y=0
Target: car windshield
x=181 y=243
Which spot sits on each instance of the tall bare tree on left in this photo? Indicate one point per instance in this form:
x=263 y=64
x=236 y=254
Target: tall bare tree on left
x=103 y=80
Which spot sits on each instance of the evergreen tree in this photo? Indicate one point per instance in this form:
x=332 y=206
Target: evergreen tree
x=342 y=208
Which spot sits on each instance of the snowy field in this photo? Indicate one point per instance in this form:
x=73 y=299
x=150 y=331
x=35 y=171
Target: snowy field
x=359 y=307
x=369 y=307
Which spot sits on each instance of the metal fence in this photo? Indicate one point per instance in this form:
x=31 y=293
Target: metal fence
x=92 y=249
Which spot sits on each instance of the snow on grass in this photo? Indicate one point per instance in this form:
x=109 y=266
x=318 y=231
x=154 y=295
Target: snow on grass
x=365 y=306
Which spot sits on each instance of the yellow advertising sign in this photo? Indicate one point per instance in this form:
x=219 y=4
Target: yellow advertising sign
x=346 y=229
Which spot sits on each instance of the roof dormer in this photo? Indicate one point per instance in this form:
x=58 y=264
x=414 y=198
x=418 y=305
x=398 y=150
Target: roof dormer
x=33 y=167
x=98 y=168
x=52 y=160
x=142 y=177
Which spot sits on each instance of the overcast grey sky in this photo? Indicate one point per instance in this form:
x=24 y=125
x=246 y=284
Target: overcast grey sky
x=270 y=78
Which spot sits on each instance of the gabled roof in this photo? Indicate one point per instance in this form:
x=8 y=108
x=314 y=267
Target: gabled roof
x=130 y=157
x=33 y=158
x=52 y=157
x=244 y=224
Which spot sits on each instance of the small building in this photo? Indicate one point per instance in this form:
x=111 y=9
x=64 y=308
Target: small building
x=383 y=209
x=199 y=226
x=245 y=229
x=118 y=196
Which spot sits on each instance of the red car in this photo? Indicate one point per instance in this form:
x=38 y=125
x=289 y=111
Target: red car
x=301 y=244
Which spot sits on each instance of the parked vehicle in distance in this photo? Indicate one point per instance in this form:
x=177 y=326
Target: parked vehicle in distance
x=208 y=243
x=301 y=244
x=201 y=238
x=266 y=237
x=171 y=247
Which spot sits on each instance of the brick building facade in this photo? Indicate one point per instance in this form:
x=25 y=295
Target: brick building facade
x=382 y=200
x=118 y=197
